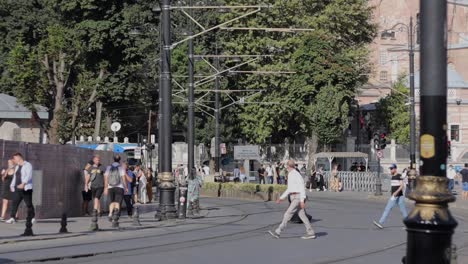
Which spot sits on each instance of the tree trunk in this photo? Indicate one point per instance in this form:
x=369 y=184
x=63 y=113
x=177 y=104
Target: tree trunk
x=312 y=146
x=97 y=125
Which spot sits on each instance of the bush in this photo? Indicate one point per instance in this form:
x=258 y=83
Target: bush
x=245 y=187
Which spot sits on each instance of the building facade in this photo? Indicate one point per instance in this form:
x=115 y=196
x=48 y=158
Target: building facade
x=390 y=61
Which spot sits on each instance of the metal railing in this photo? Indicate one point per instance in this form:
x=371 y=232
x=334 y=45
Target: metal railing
x=359 y=181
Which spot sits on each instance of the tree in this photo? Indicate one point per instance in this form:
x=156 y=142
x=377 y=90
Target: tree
x=392 y=114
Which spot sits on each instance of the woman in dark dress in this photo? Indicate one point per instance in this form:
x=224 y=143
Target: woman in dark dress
x=7 y=195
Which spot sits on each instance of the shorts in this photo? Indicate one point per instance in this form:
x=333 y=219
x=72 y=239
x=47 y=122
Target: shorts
x=116 y=195
x=86 y=195
x=465 y=186
x=97 y=192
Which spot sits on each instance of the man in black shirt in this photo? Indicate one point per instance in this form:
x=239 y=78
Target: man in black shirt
x=464 y=174
x=396 y=198
x=261 y=175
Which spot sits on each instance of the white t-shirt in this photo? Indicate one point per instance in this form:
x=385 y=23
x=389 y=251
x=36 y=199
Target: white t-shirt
x=206 y=169
x=121 y=172
x=269 y=171
x=451 y=173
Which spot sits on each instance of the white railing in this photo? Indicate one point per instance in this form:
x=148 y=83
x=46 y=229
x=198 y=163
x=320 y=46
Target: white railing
x=359 y=181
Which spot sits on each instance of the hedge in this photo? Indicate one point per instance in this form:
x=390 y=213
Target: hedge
x=246 y=187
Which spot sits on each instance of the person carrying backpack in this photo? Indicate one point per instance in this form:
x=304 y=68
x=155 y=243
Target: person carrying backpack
x=115 y=186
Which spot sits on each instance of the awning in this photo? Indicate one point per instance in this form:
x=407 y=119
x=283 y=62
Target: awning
x=340 y=155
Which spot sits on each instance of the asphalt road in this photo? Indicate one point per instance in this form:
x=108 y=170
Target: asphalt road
x=236 y=232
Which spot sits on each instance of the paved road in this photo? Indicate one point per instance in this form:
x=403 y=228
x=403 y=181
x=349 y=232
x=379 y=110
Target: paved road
x=235 y=232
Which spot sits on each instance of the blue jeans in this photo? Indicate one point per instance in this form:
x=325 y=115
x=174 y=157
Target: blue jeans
x=400 y=200
x=270 y=179
x=451 y=184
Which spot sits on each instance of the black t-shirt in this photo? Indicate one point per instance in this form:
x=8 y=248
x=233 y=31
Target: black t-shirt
x=464 y=174
x=396 y=184
x=261 y=172
x=96 y=173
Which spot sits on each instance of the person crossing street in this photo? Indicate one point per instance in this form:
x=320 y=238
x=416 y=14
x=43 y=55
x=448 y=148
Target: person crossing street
x=296 y=191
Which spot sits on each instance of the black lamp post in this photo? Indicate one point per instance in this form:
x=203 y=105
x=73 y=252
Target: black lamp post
x=166 y=178
x=430 y=225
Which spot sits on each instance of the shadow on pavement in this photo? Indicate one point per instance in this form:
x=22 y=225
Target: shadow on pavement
x=6 y=261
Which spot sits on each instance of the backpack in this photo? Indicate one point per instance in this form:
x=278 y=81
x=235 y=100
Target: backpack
x=114 y=176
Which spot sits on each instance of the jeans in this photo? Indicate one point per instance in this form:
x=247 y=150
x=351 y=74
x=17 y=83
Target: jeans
x=451 y=184
x=261 y=179
x=20 y=195
x=270 y=179
x=400 y=200
x=129 y=204
x=282 y=180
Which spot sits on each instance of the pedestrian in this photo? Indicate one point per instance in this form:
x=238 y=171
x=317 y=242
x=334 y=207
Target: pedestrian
x=149 y=184
x=335 y=181
x=128 y=194
x=396 y=197
x=464 y=175
x=269 y=173
x=142 y=189
x=7 y=195
x=115 y=185
x=451 y=174
x=94 y=183
x=261 y=174
x=136 y=189
x=236 y=174
x=297 y=194
x=22 y=187
x=206 y=170
x=321 y=186
x=282 y=174
x=243 y=175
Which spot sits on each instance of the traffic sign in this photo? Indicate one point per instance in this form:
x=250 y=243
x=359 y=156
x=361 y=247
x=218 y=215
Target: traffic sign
x=380 y=154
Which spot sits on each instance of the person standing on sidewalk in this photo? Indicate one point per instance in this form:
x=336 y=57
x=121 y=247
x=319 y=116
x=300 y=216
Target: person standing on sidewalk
x=269 y=173
x=94 y=178
x=129 y=191
x=451 y=174
x=22 y=186
x=297 y=194
x=261 y=174
x=149 y=184
x=115 y=185
x=464 y=176
x=397 y=197
x=7 y=195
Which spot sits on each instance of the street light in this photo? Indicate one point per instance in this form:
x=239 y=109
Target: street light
x=430 y=225
x=410 y=29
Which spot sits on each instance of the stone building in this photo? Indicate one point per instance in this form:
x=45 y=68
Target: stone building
x=390 y=60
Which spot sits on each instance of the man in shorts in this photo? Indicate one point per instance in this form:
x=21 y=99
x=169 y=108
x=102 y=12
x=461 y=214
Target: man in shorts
x=115 y=185
x=94 y=177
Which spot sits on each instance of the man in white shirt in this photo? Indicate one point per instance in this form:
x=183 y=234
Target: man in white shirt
x=296 y=191
x=451 y=173
x=206 y=170
x=269 y=172
x=22 y=187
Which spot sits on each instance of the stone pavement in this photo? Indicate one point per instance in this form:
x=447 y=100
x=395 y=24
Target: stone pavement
x=234 y=231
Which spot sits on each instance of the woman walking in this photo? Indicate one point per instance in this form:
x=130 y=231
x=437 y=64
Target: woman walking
x=7 y=195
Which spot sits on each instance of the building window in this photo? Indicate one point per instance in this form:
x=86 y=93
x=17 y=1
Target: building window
x=388 y=35
x=383 y=76
x=383 y=57
x=455 y=133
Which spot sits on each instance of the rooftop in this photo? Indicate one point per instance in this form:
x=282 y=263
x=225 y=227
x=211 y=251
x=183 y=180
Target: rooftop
x=10 y=108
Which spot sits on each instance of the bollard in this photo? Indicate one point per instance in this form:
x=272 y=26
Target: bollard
x=136 y=217
x=115 y=218
x=28 y=231
x=94 y=221
x=63 y=224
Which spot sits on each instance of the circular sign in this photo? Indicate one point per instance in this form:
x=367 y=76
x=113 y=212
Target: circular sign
x=182 y=199
x=115 y=126
x=380 y=154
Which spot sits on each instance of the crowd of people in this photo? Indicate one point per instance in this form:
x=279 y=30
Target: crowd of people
x=119 y=181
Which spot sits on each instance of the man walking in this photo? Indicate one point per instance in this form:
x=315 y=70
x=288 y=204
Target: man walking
x=297 y=194
x=115 y=185
x=94 y=178
x=397 y=197
x=464 y=176
x=22 y=187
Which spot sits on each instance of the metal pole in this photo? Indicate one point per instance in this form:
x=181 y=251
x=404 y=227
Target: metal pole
x=217 y=117
x=191 y=100
x=167 y=187
x=412 y=172
x=430 y=225
x=378 y=183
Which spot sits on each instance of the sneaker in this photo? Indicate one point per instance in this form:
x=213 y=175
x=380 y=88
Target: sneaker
x=11 y=221
x=2 y=219
x=33 y=220
x=377 y=224
x=309 y=236
x=274 y=234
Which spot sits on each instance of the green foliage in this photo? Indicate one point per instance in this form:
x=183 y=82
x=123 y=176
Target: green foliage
x=393 y=113
x=244 y=187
